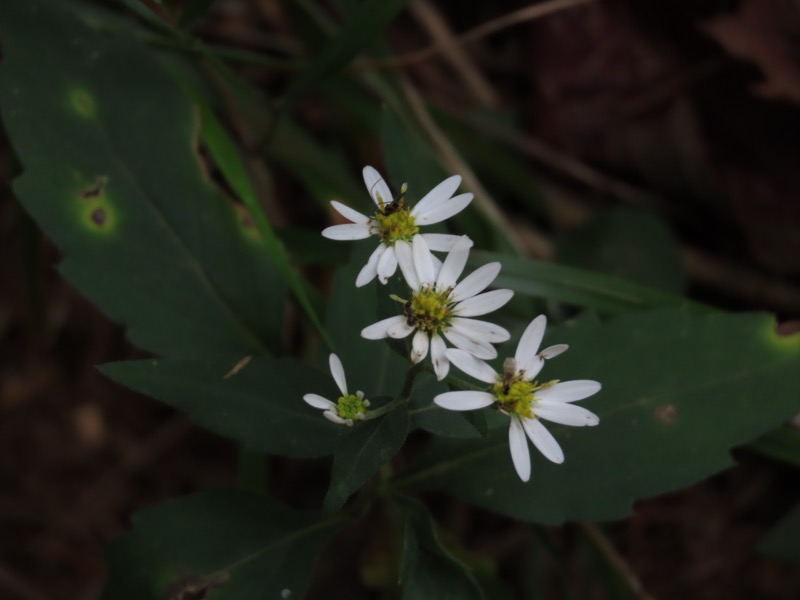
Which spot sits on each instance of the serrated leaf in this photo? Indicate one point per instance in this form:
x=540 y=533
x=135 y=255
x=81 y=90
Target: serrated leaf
x=226 y=155
x=261 y=405
x=427 y=569
x=362 y=452
x=678 y=393
x=107 y=142
x=219 y=545
x=604 y=294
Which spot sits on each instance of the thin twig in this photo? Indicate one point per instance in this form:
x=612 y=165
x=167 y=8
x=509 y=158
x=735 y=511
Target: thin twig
x=450 y=156
x=431 y=19
x=702 y=267
x=615 y=560
x=528 y=13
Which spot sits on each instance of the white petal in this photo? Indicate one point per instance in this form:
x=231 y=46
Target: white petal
x=377 y=186
x=464 y=400
x=337 y=370
x=472 y=366
x=423 y=262
x=349 y=231
x=476 y=282
x=480 y=330
x=441 y=193
x=440 y=242
x=332 y=416
x=441 y=364
x=443 y=211
x=569 y=391
x=400 y=329
x=543 y=440
x=531 y=369
x=370 y=270
x=565 y=414
x=437 y=266
x=405 y=259
x=519 y=449
x=553 y=351
x=454 y=264
x=349 y=213
x=419 y=346
x=379 y=330
x=478 y=348
x=387 y=265
x=482 y=303
x=529 y=343
x=318 y=401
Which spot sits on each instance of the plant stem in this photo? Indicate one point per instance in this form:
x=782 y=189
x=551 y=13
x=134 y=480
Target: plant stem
x=402 y=398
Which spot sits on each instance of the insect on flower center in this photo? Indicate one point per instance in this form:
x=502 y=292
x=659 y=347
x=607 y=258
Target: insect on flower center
x=395 y=222
x=352 y=406
x=429 y=310
x=515 y=395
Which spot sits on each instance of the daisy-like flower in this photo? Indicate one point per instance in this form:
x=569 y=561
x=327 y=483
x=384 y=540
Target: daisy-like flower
x=438 y=307
x=394 y=222
x=348 y=408
x=518 y=394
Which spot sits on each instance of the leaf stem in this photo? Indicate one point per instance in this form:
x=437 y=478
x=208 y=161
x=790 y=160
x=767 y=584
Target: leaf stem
x=402 y=398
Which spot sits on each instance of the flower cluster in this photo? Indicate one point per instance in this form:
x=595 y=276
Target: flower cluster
x=438 y=308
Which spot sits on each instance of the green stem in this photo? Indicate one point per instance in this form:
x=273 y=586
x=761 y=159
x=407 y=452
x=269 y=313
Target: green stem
x=402 y=398
x=411 y=375
x=386 y=408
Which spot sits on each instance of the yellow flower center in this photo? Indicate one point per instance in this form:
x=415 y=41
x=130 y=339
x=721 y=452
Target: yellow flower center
x=515 y=395
x=429 y=310
x=350 y=406
x=395 y=222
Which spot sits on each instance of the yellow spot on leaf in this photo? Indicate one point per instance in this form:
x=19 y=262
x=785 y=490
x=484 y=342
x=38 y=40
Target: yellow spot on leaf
x=82 y=102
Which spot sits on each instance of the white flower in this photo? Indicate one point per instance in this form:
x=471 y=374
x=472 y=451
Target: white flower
x=394 y=222
x=440 y=307
x=525 y=400
x=348 y=407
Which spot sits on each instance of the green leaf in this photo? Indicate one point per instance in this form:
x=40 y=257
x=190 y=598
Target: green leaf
x=362 y=451
x=781 y=444
x=371 y=365
x=629 y=244
x=227 y=157
x=261 y=405
x=678 y=393
x=579 y=288
x=784 y=540
x=193 y=10
x=230 y=545
x=427 y=569
x=357 y=32
x=107 y=141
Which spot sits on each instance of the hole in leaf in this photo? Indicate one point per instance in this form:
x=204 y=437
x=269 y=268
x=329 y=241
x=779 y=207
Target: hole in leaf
x=96 y=189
